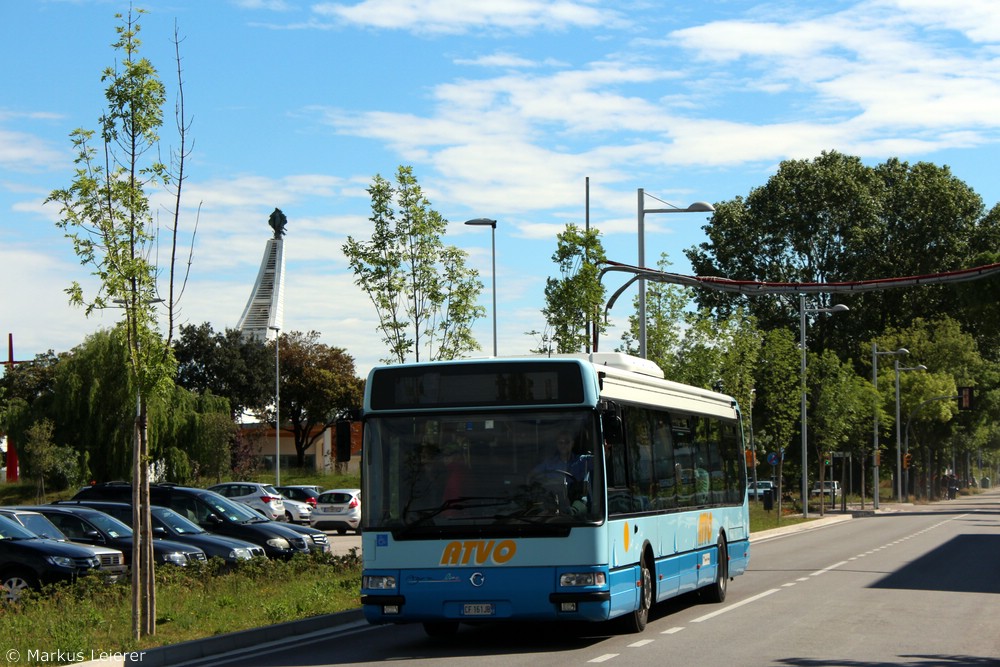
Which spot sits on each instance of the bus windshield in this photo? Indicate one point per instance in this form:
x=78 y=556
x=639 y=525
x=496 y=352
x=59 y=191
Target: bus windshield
x=485 y=472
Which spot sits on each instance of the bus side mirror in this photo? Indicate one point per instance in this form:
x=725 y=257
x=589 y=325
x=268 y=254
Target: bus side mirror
x=611 y=424
x=343 y=433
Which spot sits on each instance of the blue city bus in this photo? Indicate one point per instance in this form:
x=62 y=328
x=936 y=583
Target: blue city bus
x=475 y=508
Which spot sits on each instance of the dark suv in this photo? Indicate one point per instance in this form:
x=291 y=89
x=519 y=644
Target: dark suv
x=112 y=560
x=169 y=525
x=89 y=526
x=214 y=513
x=28 y=561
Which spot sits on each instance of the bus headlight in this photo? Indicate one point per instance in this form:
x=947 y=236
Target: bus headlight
x=379 y=582
x=582 y=579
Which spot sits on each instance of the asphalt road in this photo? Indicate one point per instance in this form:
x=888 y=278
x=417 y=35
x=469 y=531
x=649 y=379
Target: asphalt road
x=915 y=586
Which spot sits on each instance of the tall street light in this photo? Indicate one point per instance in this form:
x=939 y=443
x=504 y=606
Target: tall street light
x=876 y=458
x=483 y=222
x=899 y=454
x=803 y=311
x=277 y=405
x=697 y=207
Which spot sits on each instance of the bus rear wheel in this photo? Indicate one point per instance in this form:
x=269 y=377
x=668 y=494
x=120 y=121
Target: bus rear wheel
x=717 y=591
x=441 y=628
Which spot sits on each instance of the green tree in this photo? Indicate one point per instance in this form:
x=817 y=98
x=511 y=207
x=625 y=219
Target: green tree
x=776 y=407
x=574 y=299
x=318 y=385
x=840 y=407
x=423 y=293
x=106 y=214
x=834 y=219
x=92 y=403
x=38 y=455
x=666 y=308
x=228 y=364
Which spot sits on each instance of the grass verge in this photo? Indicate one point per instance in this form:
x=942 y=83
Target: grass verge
x=65 y=622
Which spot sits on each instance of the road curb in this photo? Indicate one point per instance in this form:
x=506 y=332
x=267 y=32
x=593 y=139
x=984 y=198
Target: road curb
x=172 y=654
x=762 y=535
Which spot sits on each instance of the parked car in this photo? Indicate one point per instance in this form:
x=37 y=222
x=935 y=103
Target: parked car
x=338 y=509
x=169 y=525
x=112 y=560
x=762 y=486
x=216 y=514
x=304 y=493
x=826 y=489
x=28 y=561
x=90 y=526
x=296 y=511
x=316 y=538
x=262 y=497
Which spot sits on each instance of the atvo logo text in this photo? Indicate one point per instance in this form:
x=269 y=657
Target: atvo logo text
x=478 y=552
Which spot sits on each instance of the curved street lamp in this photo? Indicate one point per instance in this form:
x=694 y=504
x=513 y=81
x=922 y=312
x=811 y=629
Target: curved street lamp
x=899 y=454
x=697 y=207
x=803 y=311
x=876 y=459
x=492 y=224
x=277 y=405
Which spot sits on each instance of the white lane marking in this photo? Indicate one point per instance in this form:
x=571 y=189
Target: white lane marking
x=641 y=642
x=604 y=658
x=671 y=631
x=735 y=606
x=828 y=568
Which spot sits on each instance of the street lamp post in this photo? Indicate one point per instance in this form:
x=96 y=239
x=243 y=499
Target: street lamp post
x=277 y=405
x=899 y=453
x=839 y=308
x=483 y=222
x=697 y=207
x=875 y=454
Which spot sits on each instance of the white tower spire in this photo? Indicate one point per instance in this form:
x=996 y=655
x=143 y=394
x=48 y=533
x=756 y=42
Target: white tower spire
x=263 y=316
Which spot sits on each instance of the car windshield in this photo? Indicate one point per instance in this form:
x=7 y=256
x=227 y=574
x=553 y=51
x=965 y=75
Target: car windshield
x=176 y=523
x=231 y=511
x=42 y=527
x=109 y=525
x=12 y=530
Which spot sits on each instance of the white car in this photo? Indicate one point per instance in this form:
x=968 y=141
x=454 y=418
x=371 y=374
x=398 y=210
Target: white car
x=296 y=511
x=761 y=488
x=826 y=489
x=261 y=497
x=338 y=509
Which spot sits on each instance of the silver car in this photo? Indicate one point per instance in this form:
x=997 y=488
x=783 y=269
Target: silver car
x=296 y=511
x=262 y=497
x=338 y=509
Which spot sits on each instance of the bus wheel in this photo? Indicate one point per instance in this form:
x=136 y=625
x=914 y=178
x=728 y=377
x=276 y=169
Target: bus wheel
x=636 y=621
x=441 y=628
x=717 y=591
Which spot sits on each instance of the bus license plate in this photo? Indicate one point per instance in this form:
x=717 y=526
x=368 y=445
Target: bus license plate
x=477 y=610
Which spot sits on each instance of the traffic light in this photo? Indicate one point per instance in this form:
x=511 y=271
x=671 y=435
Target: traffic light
x=826 y=459
x=907 y=459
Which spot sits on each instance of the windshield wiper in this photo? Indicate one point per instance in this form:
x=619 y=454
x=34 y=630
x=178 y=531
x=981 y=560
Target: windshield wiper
x=460 y=503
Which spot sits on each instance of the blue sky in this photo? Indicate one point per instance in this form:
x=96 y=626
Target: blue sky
x=503 y=108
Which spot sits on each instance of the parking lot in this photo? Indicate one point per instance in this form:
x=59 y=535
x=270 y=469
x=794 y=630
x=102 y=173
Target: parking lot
x=341 y=545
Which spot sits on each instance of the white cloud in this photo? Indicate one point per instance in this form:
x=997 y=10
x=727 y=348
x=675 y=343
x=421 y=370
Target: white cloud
x=459 y=16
